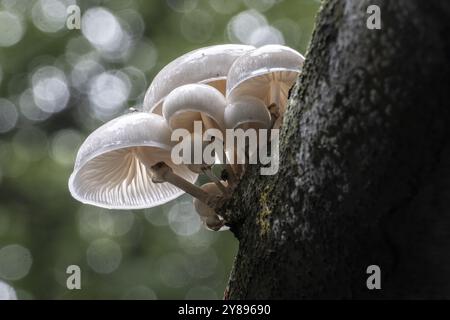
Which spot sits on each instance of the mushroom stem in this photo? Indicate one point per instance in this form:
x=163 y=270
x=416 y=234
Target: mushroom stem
x=228 y=166
x=232 y=178
x=216 y=181
x=231 y=165
x=206 y=122
x=275 y=106
x=163 y=173
x=278 y=122
x=275 y=89
x=231 y=172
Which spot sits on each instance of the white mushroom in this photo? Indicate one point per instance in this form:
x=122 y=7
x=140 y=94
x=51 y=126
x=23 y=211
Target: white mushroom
x=246 y=113
x=194 y=102
x=207 y=214
x=266 y=73
x=197 y=102
x=126 y=164
x=207 y=65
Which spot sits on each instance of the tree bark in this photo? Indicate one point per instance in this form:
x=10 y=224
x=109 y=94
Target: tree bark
x=364 y=165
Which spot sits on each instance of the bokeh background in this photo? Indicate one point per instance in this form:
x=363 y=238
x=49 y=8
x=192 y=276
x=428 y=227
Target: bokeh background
x=57 y=86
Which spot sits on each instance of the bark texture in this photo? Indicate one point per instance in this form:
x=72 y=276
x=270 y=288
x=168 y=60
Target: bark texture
x=364 y=165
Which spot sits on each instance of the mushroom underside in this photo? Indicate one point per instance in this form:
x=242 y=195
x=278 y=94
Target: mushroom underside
x=260 y=87
x=185 y=119
x=118 y=179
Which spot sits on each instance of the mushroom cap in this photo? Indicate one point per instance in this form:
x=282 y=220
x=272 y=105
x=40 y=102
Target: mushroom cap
x=254 y=72
x=247 y=112
x=189 y=102
x=203 y=209
x=207 y=214
x=214 y=223
x=207 y=65
x=108 y=172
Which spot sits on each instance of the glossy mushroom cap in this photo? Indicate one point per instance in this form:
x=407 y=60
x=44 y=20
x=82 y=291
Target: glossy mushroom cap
x=256 y=72
x=109 y=173
x=247 y=112
x=194 y=102
x=207 y=65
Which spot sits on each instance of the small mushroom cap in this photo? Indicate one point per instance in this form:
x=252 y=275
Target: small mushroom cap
x=247 y=112
x=209 y=217
x=207 y=65
x=203 y=209
x=254 y=72
x=188 y=103
x=109 y=173
x=214 y=223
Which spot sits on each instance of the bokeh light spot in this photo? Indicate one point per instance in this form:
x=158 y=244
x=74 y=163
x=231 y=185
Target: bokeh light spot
x=266 y=35
x=104 y=255
x=29 y=108
x=8 y=115
x=49 y=15
x=116 y=223
x=291 y=31
x=183 y=219
x=157 y=216
x=197 y=26
x=11 y=27
x=144 y=56
x=104 y=31
x=242 y=25
x=64 y=146
x=108 y=92
x=7 y=292
x=15 y=262
x=83 y=71
x=50 y=90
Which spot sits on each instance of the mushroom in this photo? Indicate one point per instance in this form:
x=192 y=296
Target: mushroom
x=194 y=102
x=207 y=214
x=126 y=164
x=197 y=102
x=247 y=113
x=266 y=73
x=207 y=65
x=202 y=167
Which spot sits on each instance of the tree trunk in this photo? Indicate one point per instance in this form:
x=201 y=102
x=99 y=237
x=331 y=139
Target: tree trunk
x=364 y=165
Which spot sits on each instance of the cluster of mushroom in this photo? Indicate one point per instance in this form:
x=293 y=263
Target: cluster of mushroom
x=127 y=164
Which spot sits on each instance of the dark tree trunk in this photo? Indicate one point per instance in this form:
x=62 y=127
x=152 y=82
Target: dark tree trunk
x=364 y=165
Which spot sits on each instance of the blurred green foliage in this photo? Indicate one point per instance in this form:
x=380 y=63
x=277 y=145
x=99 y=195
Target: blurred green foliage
x=156 y=253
